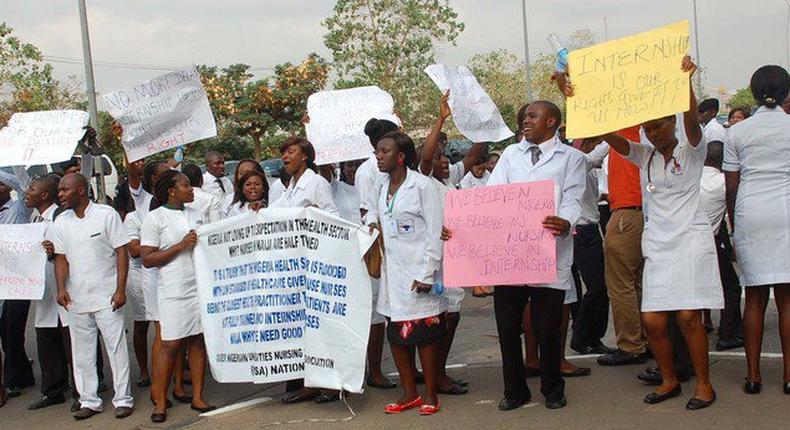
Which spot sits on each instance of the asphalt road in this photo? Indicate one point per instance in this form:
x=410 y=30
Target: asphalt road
x=611 y=398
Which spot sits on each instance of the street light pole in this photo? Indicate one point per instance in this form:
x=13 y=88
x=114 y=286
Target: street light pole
x=526 y=48
x=696 y=35
x=87 y=59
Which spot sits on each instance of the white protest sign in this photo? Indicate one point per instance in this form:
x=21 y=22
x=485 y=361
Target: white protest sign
x=474 y=113
x=285 y=294
x=163 y=113
x=22 y=261
x=42 y=137
x=337 y=122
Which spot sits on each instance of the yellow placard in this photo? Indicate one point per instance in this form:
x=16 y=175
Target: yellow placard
x=625 y=82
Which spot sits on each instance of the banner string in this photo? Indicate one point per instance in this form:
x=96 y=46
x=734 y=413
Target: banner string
x=319 y=420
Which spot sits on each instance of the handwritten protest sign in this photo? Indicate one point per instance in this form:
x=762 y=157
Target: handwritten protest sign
x=474 y=113
x=285 y=294
x=498 y=236
x=163 y=113
x=22 y=261
x=628 y=81
x=41 y=137
x=337 y=122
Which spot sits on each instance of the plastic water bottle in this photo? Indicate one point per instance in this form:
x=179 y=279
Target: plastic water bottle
x=179 y=155
x=437 y=288
x=562 y=53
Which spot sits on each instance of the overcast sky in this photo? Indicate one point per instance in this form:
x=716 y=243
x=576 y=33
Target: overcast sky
x=736 y=36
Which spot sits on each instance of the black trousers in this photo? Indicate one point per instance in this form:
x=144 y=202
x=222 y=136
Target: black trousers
x=730 y=323
x=509 y=304
x=592 y=317
x=17 y=371
x=54 y=356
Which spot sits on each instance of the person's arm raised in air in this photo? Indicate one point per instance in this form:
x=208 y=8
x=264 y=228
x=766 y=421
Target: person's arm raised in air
x=432 y=141
x=690 y=120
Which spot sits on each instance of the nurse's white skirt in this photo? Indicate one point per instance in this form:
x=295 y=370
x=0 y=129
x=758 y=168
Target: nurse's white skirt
x=150 y=294
x=179 y=317
x=134 y=295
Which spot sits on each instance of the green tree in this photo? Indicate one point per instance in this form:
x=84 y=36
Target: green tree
x=262 y=108
x=26 y=82
x=743 y=98
x=388 y=43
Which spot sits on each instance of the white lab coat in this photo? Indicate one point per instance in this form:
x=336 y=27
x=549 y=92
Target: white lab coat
x=681 y=266
x=208 y=205
x=759 y=148
x=470 y=181
x=276 y=189
x=347 y=200
x=367 y=180
x=565 y=166
x=310 y=190
x=412 y=249
x=179 y=308
x=48 y=311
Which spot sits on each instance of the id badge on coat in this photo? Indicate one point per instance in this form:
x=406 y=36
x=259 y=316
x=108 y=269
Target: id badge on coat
x=405 y=226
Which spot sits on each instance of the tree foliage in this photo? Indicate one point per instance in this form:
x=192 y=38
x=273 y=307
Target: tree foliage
x=743 y=98
x=244 y=107
x=26 y=82
x=388 y=43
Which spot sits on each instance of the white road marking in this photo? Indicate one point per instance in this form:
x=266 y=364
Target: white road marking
x=235 y=406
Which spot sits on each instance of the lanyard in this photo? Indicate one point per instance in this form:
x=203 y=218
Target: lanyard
x=391 y=203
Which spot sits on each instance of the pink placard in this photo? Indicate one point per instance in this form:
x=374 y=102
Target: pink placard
x=498 y=236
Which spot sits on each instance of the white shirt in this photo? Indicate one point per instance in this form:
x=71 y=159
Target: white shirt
x=310 y=190
x=347 y=200
x=48 y=311
x=15 y=211
x=589 y=209
x=714 y=131
x=712 y=196
x=412 y=225
x=456 y=175
x=565 y=166
x=163 y=228
x=89 y=245
x=211 y=186
x=470 y=181
x=207 y=205
x=238 y=208
x=142 y=200
x=276 y=189
x=368 y=179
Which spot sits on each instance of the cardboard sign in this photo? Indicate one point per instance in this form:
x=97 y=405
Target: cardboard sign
x=22 y=261
x=498 y=236
x=628 y=81
x=42 y=137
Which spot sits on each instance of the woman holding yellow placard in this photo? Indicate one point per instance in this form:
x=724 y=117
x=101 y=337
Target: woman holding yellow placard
x=680 y=273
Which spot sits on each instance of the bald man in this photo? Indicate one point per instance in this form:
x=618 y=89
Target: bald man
x=90 y=258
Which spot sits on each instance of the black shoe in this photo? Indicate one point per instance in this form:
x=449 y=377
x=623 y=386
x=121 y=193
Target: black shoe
x=752 y=387
x=182 y=399
x=695 y=403
x=725 y=344
x=651 y=376
x=621 y=358
x=653 y=398
x=84 y=413
x=509 y=404
x=598 y=348
x=122 y=412
x=556 y=401
x=786 y=387
x=158 y=417
x=579 y=371
x=143 y=383
x=203 y=410
x=13 y=392
x=75 y=405
x=45 y=402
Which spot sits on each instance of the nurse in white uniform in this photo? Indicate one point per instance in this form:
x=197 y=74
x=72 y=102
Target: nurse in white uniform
x=681 y=268
x=757 y=172
x=251 y=194
x=306 y=188
x=167 y=239
x=410 y=219
x=244 y=166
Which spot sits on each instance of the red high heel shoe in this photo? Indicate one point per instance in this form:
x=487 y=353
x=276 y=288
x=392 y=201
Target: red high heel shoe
x=394 y=408
x=429 y=409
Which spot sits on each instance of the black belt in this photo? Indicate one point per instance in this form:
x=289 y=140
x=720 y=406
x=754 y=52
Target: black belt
x=630 y=208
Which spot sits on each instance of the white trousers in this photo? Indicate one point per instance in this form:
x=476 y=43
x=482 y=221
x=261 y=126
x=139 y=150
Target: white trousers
x=83 y=328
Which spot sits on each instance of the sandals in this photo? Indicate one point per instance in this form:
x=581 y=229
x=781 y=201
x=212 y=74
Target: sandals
x=395 y=408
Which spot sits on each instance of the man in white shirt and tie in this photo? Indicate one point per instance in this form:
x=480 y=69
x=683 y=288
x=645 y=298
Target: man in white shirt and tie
x=540 y=156
x=214 y=180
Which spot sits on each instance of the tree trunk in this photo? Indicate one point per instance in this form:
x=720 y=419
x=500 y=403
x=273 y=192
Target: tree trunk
x=256 y=147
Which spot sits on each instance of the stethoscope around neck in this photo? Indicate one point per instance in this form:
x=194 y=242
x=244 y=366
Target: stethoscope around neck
x=676 y=170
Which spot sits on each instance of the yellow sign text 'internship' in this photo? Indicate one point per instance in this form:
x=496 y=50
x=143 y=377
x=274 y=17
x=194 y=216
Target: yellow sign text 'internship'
x=628 y=81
